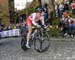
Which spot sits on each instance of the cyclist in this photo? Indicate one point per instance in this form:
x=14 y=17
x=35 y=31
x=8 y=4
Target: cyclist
x=33 y=19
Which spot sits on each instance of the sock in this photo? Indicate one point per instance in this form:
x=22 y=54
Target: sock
x=27 y=42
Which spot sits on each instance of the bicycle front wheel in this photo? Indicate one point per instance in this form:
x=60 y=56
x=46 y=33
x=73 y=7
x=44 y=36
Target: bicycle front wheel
x=42 y=42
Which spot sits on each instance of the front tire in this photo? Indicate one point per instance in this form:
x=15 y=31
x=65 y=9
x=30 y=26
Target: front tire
x=42 y=42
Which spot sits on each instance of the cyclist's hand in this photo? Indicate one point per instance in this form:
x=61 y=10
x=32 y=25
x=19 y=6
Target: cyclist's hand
x=44 y=26
x=38 y=26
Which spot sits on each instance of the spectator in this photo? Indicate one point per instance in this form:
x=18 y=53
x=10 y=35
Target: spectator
x=66 y=14
x=61 y=22
x=70 y=1
x=66 y=7
x=61 y=9
x=66 y=1
x=56 y=9
x=71 y=27
x=73 y=7
x=2 y=26
x=45 y=7
x=63 y=18
x=64 y=25
x=14 y=27
x=17 y=25
x=23 y=17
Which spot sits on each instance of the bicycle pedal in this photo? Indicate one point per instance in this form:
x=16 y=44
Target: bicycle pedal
x=36 y=37
x=43 y=38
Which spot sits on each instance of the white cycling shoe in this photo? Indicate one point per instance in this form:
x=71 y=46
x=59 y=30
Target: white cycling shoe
x=27 y=46
x=45 y=26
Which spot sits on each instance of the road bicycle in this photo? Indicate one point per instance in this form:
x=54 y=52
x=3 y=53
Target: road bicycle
x=40 y=39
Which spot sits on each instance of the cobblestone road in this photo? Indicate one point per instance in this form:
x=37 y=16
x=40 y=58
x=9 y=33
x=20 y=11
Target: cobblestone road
x=59 y=50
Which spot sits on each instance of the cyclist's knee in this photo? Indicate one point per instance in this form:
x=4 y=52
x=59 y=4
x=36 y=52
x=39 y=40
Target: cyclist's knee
x=36 y=30
x=29 y=32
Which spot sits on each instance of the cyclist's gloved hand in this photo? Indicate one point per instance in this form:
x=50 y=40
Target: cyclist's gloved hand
x=44 y=26
x=38 y=26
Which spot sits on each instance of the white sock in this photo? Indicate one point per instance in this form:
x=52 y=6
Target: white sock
x=27 y=42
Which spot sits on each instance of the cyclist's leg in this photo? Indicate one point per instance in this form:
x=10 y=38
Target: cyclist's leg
x=29 y=25
x=28 y=36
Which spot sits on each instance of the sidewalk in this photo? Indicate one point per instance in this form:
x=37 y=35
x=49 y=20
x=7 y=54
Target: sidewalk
x=52 y=38
x=63 y=38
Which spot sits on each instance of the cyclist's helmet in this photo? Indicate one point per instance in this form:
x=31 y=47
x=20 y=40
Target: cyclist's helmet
x=40 y=10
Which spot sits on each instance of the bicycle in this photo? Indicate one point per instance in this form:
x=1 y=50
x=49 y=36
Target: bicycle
x=40 y=39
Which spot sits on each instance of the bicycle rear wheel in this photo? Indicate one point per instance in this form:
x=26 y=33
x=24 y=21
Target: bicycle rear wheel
x=42 y=42
x=23 y=38
x=23 y=43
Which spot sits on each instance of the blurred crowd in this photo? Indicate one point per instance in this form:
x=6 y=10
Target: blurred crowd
x=67 y=25
x=10 y=27
x=66 y=5
x=67 y=22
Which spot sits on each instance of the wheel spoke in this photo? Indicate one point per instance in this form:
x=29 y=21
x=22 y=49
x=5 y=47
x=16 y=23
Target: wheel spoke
x=42 y=42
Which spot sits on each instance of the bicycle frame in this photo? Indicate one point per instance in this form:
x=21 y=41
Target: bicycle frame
x=39 y=30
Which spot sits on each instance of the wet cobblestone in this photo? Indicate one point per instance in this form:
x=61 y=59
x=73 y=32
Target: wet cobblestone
x=59 y=50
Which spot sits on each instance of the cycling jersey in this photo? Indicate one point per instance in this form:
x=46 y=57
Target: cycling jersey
x=31 y=19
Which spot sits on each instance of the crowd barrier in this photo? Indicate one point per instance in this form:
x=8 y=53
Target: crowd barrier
x=10 y=33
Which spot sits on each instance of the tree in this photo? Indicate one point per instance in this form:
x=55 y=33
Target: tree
x=40 y=2
x=51 y=6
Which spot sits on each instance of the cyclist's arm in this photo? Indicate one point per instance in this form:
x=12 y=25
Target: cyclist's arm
x=34 y=23
x=33 y=20
x=42 y=20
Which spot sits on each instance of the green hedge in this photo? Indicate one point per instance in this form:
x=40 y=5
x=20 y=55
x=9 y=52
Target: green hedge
x=56 y=21
x=54 y=32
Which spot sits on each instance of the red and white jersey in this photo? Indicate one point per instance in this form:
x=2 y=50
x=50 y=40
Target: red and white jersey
x=32 y=16
x=32 y=19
